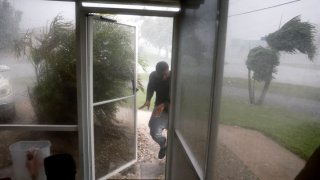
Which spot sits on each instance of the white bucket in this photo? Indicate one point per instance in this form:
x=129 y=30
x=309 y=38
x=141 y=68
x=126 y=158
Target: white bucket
x=19 y=152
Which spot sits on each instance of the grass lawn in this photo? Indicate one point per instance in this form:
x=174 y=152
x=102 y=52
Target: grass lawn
x=300 y=91
x=299 y=133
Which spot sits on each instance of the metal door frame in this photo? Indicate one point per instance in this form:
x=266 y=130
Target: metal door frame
x=216 y=86
x=90 y=19
x=84 y=83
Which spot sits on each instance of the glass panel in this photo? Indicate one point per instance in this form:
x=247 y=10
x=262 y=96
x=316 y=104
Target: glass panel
x=114 y=132
x=13 y=156
x=113 y=60
x=181 y=167
x=269 y=117
x=37 y=62
x=195 y=74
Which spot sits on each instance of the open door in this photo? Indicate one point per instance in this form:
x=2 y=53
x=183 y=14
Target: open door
x=112 y=55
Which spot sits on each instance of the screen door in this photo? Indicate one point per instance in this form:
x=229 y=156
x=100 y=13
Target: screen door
x=113 y=84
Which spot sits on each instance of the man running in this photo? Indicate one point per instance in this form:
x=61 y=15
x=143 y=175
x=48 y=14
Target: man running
x=159 y=82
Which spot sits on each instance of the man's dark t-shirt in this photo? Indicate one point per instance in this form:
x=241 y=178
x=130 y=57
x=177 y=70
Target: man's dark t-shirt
x=160 y=86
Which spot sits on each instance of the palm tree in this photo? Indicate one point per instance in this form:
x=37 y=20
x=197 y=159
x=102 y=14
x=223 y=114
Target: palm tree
x=262 y=62
x=292 y=37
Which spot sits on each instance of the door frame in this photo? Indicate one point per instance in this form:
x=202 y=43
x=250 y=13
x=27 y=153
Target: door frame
x=90 y=19
x=84 y=85
x=85 y=135
x=216 y=86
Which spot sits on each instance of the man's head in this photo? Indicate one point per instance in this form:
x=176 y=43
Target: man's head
x=162 y=69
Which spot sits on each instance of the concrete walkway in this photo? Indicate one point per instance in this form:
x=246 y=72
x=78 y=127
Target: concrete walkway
x=148 y=165
x=263 y=156
x=241 y=154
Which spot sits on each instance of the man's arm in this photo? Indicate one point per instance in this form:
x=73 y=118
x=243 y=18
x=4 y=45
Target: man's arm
x=150 y=90
x=151 y=86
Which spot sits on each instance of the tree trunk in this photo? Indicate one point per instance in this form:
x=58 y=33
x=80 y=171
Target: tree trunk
x=253 y=92
x=36 y=69
x=251 y=98
x=264 y=91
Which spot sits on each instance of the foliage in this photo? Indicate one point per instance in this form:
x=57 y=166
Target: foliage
x=143 y=63
x=294 y=36
x=263 y=62
x=296 y=131
x=9 y=24
x=291 y=37
x=53 y=56
x=113 y=60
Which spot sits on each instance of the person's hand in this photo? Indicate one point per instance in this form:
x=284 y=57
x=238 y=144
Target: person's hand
x=146 y=104
x=158 y=110
x=33 y=163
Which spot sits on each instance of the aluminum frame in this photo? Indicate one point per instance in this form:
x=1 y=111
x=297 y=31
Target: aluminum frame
x=132 y=162
x=83 y=87
x=216 y=82
x=175 y=110
x=191 y=157
x=126 y=11
x=89 y=56
x=173 y=85
x=112 y=100
x=216 y=85
x=38 y=127
x=84 y=95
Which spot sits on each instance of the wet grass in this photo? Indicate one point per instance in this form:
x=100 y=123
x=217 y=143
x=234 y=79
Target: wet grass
x=300 y=91
x=298 y=132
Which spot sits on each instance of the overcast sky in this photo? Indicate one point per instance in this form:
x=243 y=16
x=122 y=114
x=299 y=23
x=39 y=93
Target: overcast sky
x=252 y=26
x=37 y=13
x=255 y=25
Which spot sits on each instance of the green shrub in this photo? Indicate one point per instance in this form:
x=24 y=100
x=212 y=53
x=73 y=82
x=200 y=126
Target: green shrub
x=52 y=53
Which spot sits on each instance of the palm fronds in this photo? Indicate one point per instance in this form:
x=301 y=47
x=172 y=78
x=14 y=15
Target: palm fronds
x=294 y=36
x=263 y=62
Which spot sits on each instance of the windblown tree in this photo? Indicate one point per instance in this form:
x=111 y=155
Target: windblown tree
x=9 y=24
x=53 y=56
x=294 y=36
x=262 y=62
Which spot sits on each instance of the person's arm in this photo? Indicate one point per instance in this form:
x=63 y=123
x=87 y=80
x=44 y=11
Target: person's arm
x=151 y=86
x=150 y=90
